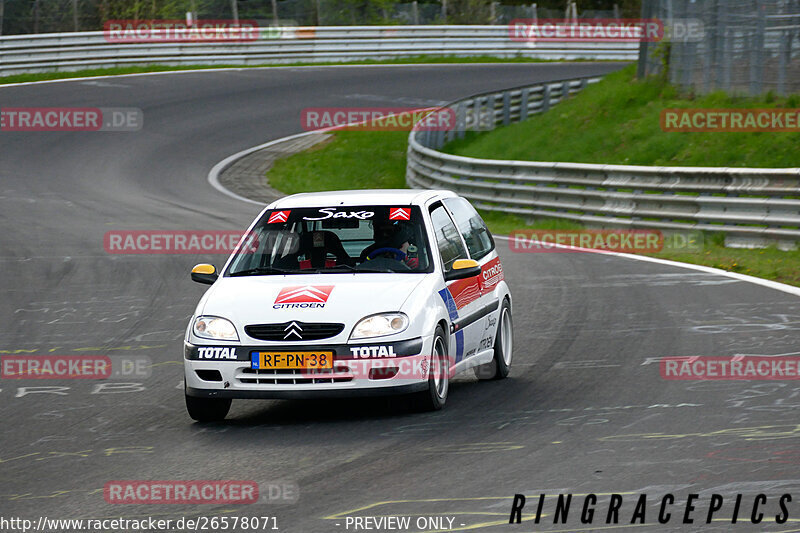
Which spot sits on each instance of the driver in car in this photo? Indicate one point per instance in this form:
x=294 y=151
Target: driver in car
x=395 y=245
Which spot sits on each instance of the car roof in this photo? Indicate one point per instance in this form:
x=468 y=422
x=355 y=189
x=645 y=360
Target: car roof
x=360 y=197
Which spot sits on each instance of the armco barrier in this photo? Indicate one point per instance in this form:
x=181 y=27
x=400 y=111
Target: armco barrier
x=75 y=51
x=752 y=206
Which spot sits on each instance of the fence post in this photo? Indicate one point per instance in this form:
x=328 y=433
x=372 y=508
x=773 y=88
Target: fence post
x=415 y=12
x=641 y=67
x=75 y=23
x=756 y=66
x=275 y=12
x=688 y=58
x=711 y=48
x=722 y=73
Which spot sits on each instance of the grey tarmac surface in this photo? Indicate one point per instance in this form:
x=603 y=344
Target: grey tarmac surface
x=584 y=410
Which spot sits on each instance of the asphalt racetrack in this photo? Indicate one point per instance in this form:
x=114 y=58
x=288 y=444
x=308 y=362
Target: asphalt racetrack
x=585 y=409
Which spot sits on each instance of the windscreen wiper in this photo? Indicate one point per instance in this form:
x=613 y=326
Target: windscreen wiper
x=353 y=269
x=262 y=271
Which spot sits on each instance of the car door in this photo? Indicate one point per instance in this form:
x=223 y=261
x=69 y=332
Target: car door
x=460 y=296
x=481 y=248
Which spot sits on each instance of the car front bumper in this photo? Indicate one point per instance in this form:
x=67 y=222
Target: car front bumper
x=220 y=373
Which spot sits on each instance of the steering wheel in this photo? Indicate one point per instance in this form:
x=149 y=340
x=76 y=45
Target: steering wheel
x=399 y=255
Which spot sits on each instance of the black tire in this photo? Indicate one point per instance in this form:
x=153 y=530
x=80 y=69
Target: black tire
x=434 y=397
x=207 y=409
x=500 y=365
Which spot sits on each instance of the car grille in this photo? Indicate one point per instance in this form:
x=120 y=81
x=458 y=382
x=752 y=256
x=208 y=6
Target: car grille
x=252 y=376
x=293 y=331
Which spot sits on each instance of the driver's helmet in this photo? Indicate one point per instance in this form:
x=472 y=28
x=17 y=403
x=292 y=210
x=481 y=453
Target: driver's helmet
x=397 y=234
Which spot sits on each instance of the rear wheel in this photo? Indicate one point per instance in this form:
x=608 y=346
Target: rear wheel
x=207 y=409
x=434 y=397
x=500 y=364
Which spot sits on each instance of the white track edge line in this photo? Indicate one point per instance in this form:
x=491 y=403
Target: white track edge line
x=701 y=268
x=213 y=175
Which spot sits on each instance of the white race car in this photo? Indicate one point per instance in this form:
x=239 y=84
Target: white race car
x=350 y=293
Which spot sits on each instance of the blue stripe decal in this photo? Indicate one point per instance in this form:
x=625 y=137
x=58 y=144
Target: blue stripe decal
x=450 y=303
x=459 y=345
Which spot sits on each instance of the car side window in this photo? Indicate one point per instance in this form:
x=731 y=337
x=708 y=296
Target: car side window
x=447 y=238
x=472 y=227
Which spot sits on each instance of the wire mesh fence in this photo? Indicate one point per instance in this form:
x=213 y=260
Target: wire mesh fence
x=739 y=46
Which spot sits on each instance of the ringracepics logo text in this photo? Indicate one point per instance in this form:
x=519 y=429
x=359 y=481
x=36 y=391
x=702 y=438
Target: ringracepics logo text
x=644 y=509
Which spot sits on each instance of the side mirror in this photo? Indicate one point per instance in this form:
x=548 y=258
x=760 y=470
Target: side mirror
x=204 y=273
x=462 y=269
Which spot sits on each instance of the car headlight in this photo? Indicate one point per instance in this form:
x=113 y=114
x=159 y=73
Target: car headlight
x=380 y=325
x=214 y=327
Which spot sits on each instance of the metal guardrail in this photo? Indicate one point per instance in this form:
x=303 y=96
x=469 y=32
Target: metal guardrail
x=75 y=51
x=754 y=207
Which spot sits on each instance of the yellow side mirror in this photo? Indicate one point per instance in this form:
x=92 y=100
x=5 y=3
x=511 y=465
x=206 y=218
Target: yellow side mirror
x=458 y=264
x=463 y=269
x=204 y=273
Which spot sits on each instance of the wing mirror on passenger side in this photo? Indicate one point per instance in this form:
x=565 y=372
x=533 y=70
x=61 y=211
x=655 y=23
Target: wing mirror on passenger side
x=204 y=273
x=462 y=269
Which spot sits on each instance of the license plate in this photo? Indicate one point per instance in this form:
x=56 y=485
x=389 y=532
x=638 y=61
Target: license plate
x=291 y=360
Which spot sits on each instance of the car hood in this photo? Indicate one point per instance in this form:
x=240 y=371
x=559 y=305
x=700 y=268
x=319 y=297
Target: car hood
x=342 y=298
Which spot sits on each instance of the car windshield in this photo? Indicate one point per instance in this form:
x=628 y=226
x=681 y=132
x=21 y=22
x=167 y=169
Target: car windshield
x=334 y=240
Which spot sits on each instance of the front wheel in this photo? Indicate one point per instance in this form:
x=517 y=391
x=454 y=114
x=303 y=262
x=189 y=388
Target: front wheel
x=500 y=364
x=434 y=397
x=207 y=409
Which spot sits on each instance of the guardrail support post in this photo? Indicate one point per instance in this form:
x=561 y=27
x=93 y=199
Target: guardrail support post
x=461 y=120
x=523 y=104
x=506 y=108
x=546 y=98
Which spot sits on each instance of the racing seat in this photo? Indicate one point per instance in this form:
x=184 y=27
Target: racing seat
x=316 y=245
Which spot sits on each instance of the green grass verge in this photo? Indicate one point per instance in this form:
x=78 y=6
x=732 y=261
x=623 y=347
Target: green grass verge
x=377 y=160
x=617 y=122
x=47 y=76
